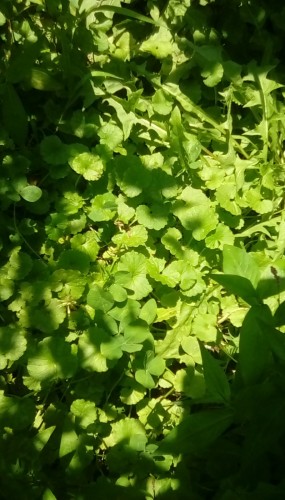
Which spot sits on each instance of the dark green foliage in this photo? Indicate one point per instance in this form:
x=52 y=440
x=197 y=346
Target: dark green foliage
x=141 y=248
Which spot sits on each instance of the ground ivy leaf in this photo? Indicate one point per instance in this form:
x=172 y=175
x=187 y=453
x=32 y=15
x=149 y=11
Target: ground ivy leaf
x=53 y=151
x=47 y=318
x=195 y=212
x=88 y=243
x=98 y=298
x=89 y=165
x=131 y=392
x=13 y=344
x=123 y=431
x=256 y=201
x=52 y=360
x=170 y=240
x=6 y=287
x=103 y=208
x=110 y=135
x=70 y=203
x=75 y=260
x=225 y=196
x=222 y=235
x=153 y=217
x=85 y=412
x=89 y=354
x=125 y=213
x=133 y=237
x=132 y=177
x=69 y=284
x=15 y=412
x=20 y=264
x=204 y=327
x=132 y=274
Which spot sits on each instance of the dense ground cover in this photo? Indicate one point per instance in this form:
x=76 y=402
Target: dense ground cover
x=142 y=238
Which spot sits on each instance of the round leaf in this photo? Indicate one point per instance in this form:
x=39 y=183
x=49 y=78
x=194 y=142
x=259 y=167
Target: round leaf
x=31 y=193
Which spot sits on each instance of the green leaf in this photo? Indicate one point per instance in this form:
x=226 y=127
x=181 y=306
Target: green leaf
x=149 y=311
x=204 y=327
x=196 y=432
x=20 y=264
x=75 y=260
x=52 y=360
x=213 y=74
x=42 y=80
x=160 y=44
x=237 y=261
x=13 y=344
x=103 y=207
x=132 y=274
x=46 y=319
x=254 y=352
x=135 y=333
x=123 y=431
x=113 y=348
x=191 y=346
x=133 y=237
x=84 y=411
x=152 y=366
x=161 y=103
x=69 y=439
x=118 y=292
x=144 y=378
x=111 y=135
x=15 y=412
x=239 y=286
x=68 y=284
x=195 y=212
x=100 y=299
x=53 y=151
x=88 y=243
x=31 y=193
x=216 y=380
x=89 y=165
x=279 y=315
x=14 y=115
x=272 y=280
x=153 y=217
x=89 y=355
